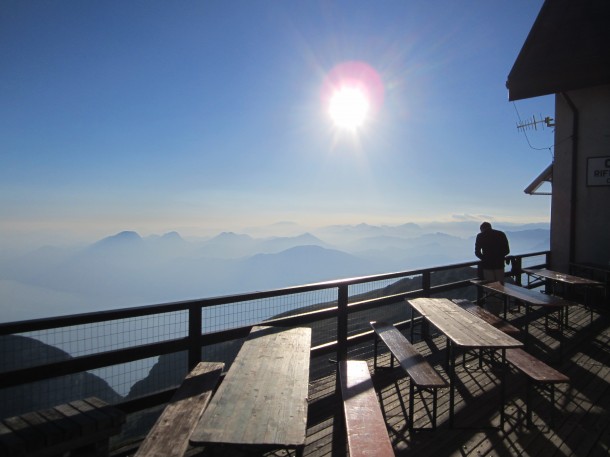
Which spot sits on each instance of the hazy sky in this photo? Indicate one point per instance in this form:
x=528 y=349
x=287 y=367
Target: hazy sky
x=212 y=115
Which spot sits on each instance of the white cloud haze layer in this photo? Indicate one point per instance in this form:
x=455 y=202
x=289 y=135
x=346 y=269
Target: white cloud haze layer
x=127 y=269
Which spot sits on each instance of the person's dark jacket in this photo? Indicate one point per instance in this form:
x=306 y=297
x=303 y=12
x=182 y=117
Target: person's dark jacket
x=491 y=247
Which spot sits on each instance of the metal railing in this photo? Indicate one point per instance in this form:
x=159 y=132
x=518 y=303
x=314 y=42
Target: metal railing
x=104 y=342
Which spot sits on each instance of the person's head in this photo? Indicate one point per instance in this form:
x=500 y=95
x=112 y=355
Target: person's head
x=485 y=226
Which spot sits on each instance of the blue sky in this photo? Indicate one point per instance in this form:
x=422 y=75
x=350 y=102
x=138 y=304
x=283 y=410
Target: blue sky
x=202 y=116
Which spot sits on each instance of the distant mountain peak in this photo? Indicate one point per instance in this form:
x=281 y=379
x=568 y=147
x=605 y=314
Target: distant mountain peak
x=225 y=236
x=120 y=238
x=172 y=236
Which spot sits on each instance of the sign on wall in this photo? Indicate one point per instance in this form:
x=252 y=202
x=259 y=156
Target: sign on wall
x=598 y=171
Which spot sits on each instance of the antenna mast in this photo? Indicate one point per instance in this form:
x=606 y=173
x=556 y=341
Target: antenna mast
x=533 y=123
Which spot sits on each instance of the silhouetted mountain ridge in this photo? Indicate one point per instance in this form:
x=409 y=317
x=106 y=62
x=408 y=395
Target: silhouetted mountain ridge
x=22 y=352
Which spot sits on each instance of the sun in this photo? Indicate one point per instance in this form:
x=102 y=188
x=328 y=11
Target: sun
x=349 y=107
x=352 y=95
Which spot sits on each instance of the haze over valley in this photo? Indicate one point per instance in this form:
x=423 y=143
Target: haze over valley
x=127 y=269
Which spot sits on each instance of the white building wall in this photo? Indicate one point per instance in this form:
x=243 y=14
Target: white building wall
x=591 y=217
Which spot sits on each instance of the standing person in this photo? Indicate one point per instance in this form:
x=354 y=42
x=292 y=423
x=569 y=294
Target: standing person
x=491 y=247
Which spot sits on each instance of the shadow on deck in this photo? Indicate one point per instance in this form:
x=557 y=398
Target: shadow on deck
x=581 y=414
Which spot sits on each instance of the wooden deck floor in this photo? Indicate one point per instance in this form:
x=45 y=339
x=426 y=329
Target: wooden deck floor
x=581 y=413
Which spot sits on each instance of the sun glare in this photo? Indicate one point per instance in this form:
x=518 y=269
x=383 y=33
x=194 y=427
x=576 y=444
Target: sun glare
x=352 y=94
x=349 y=107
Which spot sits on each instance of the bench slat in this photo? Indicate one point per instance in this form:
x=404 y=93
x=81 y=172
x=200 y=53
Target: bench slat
x=83 y=423
x=115 y=416
x=69 y=429
x=536 y=369
x=488 y=317
x=366 y=428
x=100 y=419
x=169 y=437
x=60 y=429
x=32 y=438
x=409 y=358
x=10 y=442
x=52 y=433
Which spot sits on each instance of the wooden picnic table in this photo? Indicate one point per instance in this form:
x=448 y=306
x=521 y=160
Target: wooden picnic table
x=262 y=402
x=465 y=331
x=567 y=280
x=530 y=298
x=572 y=280
x=595 y=271
x=590 y=267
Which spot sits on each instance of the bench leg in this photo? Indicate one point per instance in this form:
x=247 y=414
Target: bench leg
x=552 y=405
x=561 y=327
x=451 y=383
x=526 y=330
x=411 y=404
x=412 y=325
x=502 y=387
x=434 y=403
x=528 y=399
x=375 y=352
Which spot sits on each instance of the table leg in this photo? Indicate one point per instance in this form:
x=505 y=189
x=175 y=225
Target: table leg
x=588 y=304
x=502 y=389
x=412 y=324
x=375 y=352
x=411 y=404
x=526 y=329
x=451 y=382
x=561 y=327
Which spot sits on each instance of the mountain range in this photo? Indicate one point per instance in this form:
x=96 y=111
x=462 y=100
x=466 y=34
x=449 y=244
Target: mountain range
x=127 y=269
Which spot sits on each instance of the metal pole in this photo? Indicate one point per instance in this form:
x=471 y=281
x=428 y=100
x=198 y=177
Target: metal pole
x=195 y=329
x=342 y=323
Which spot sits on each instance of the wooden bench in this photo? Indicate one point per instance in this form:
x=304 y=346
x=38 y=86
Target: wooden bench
x=537 y=372
x=364 y=422
x=488 y=317
x=170 y=435
x=84 y=426
x=422 y=374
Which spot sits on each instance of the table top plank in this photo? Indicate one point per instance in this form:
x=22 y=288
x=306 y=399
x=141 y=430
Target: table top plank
x=263 y=398
x=461 y=327
x=527 y=295
x=562 y=277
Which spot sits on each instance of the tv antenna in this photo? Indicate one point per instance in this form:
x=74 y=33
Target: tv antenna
x=532 y=124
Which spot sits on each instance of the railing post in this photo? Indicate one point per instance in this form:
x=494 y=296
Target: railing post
x=194 y=353
x=516 y=269
x=342 y=299
x=425 y=283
